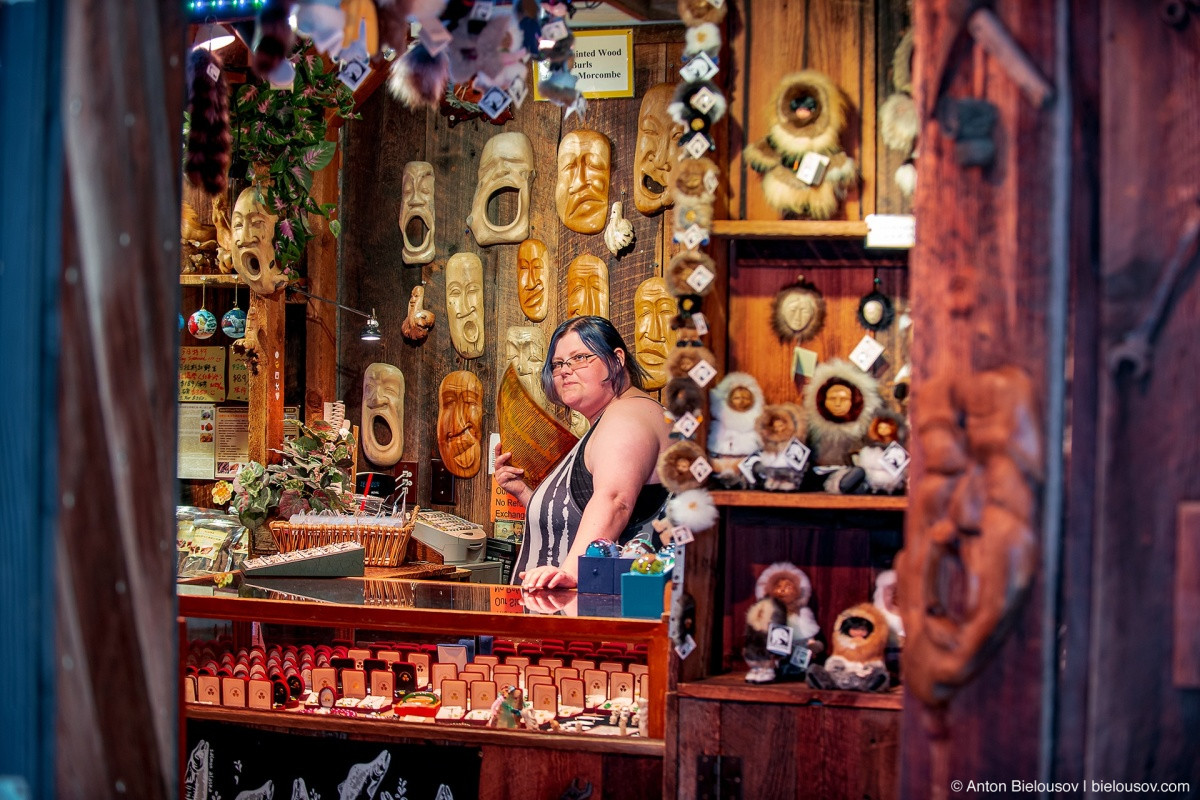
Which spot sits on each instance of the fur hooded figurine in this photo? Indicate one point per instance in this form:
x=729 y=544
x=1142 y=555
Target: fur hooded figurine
x=899 y=121
x=734 y=406
x=839 y=403
x=807 y=116
x=781 y=594
x=777 y=426
x=859 y=640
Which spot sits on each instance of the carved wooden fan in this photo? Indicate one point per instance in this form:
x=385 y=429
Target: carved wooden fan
x=536 y=439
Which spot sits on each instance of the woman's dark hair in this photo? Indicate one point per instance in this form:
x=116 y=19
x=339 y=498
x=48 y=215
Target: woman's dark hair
x=599 y=336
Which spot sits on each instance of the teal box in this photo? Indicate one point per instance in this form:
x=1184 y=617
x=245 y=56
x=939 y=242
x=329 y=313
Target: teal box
x=642 y=595
x=600 y=575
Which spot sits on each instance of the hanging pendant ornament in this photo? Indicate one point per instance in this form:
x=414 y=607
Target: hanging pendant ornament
x=202 y=323
x=233 y=323
x=798 y=311
x=875 y=310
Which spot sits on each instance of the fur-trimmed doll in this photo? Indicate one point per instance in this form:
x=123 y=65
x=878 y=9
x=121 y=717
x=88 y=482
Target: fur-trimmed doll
x=839 y=403
x=782 y=593
x=734 y=406
x=777 y=426
x=882 y=474
x=859 y=639
x=807 y=116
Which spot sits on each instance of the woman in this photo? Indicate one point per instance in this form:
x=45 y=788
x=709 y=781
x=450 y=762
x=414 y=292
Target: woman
x=606 y=487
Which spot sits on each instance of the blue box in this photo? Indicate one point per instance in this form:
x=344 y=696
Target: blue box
x=642 y=595
x=599 y=575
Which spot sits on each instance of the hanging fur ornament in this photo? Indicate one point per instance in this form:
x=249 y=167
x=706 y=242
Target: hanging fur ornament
x=686 y=356
x=693 y=509
x=702 y=38
x=805 y=172
x=697 y=106
x=798 y=312
x=675 y=466
x=839 y=403
x=860 y=636
x=418 y=80
x=682 y=396
x=777 y=426
x=696 y=12
x=273 y=39
x=899 y=120
x=875 y=310
x=687 y=213
x=209 y=143
x=682 y=265
x=696 y=179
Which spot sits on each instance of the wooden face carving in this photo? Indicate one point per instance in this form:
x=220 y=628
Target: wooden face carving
x=974 y=554
x=506 y=166
x=581 y=193
x=653 y=308
x=460 y=422
x=798 y=312
x=416 y=212
x=464 y=303
x=657 y=150
x=253 y=236
x=587 y=287
x=383 y=414
x=533 y=279
x=525 y=347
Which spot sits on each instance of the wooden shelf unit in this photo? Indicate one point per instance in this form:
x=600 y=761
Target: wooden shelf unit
x=231 y=279
x=733 y=688
x=789 y=229
x=815 y=500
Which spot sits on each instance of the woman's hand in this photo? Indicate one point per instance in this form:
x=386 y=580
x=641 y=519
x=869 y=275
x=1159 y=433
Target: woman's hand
x=547 y=577
x=552 y=602
x=509 y=478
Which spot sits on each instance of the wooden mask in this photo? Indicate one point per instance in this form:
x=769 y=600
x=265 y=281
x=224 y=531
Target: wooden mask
x=657 y=150
x=587 y=287
x=464 y=303
x=972 y=554
x=505 y=166
x=383 y=414
x=525 y=348
x=416 y=213
x=653 y=338
x=252 y=231
x=460 y=422
x=581 y=193
x=798 y=312
x=533 y=279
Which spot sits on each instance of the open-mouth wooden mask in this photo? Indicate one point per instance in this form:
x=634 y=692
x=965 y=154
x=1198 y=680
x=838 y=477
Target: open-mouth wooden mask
x=581 y=193
x=506 y=166
x=587 y=287
x=464 y=303
x=252 y=231
x=383 y=414
x=534 y=276
x=657 y=150
x=416 y=213
x=460 y=422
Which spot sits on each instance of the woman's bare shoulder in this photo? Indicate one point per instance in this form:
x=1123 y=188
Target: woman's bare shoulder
x=641 y=409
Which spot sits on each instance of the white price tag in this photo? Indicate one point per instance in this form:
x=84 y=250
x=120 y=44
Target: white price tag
x=684 y=650
x=434 y=35
x=693 y=237
x=554 y=31
x=779 y=639
x=811 y=169
x=893 y=231
x=698 y=68
x=800 y=657
x=494 y=101
x=700 y=469
x=746 y=466
x=866 y=353
x=704 y=100
x=895 y=459
x=698 y=145
x=682 y=534
x=700 y=278
x=214 y=72
x=687 y=424
x=518 y=90
x=797 y=454
x=711 y=181
x=701 y=323
x=702 y=373
x=482 y=10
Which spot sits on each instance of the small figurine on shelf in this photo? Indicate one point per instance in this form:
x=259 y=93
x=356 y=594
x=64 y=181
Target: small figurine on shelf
x=509 y=710
x=780 y=627
x=860 y=637
x=839 y=403
x=783 y=459
x=883 y=458
x=734 y=406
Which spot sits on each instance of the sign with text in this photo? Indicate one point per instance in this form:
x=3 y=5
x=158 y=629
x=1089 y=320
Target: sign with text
x=603 y=63
x=201 y=374
x=196 y=440
x=239 y=378
x=505 y=507
x=233 y=441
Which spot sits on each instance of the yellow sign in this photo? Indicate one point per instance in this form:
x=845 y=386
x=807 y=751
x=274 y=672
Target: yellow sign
x=603 y=63
x=201 y=374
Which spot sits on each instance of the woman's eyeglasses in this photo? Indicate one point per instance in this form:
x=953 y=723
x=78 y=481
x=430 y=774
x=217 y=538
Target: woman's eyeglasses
x=574 y=362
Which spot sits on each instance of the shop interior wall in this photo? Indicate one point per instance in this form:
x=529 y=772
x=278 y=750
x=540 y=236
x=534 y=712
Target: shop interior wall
x=372 y=275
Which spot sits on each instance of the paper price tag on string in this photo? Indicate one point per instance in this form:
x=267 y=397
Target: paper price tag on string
x=700 y=469
x=746 y=466
x=811 y=169
x=895 y=459
x=214 y=72
x=434 y=35
x=700 y=278
x=702 y=373
x=704 y=100
x=711 y=181
x=554 y=31
x=697 y=145
x=797 y=454
x=698 y=68
x=518 y=91
x=494 y=101
x=779 y=639
x=866 y=353
x=804 y=362
x=701 y=323
x=800 y=657
x=687 y=424
x=716 y=3
x=693 y=237
x=682 y=534
x=684 y=650
x=482 y=10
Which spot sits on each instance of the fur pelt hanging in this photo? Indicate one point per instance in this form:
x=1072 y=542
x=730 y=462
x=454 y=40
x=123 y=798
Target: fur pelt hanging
x=209 y=143
x=694 y=178
x=418 y=80
x=693 y=509
x=674 y=466
x=807 y=115
x=681 y=267
x=834 y=440
x=273 y=38
x=682 y=396
x=697 y=12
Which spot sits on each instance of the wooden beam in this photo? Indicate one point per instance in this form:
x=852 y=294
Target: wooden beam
x=320 y=352
x=266 y=388
x=645 y=9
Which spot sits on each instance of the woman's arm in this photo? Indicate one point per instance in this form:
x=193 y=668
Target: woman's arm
x=621 y=455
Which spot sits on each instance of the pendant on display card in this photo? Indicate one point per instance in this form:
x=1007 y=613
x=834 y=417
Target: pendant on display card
x=866 y=353
x=700 y=469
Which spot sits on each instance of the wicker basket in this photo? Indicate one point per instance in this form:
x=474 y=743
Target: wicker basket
x=385 y=545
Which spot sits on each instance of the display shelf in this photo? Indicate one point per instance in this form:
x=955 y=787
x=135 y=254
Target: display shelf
x=733 y=688
x=815 y=500
x=361 y=728
x=231 y=279
x=789 y=229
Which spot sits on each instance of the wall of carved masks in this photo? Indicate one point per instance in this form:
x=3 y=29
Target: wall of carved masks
x=520 y=279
